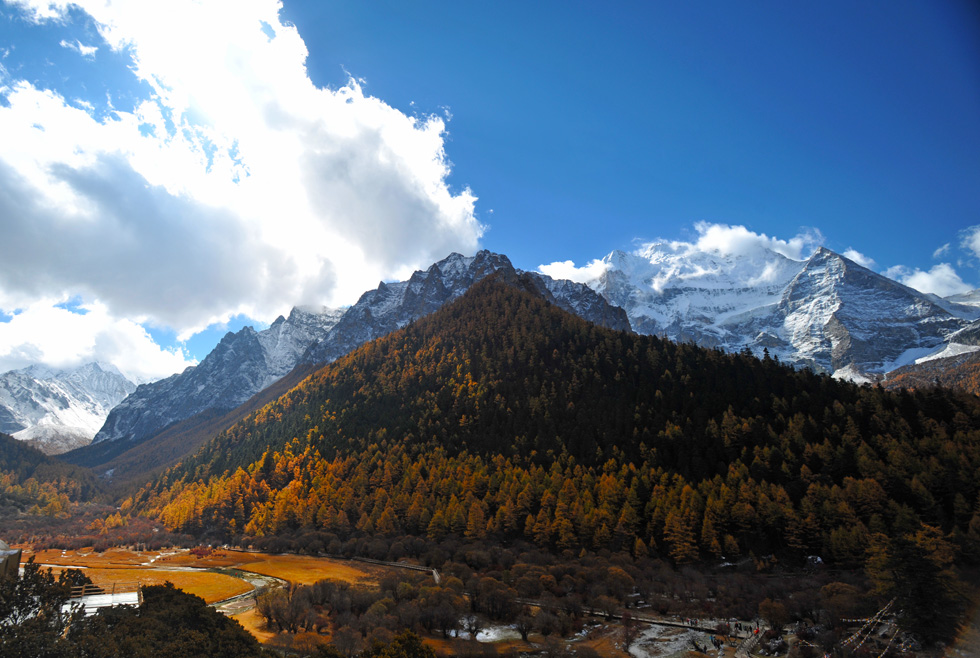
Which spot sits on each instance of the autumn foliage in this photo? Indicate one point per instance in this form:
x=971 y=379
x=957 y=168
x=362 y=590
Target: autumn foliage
x=501 y=417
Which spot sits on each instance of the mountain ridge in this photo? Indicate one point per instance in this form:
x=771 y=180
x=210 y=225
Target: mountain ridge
x=57 y=410
x=246 y=362
x=825 y=312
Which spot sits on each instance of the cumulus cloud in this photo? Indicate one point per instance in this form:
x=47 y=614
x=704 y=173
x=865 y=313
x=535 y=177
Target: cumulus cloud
x=45 y=332
x=738 y=240
x=677 y=262
x=897 y=272
x=859 y=258
x=235 y=187
x=941 y=280
x=567 y=270
x=970 y=240
x=942 y=251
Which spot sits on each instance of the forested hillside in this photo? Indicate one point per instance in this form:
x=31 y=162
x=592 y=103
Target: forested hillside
x=502 y=417
x=961 y=372
x=30 y=481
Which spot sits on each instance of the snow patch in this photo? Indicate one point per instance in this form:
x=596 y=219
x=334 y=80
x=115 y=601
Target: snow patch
x=498 y=634
x=852 y=374
x=660 y=641
x=951 y=349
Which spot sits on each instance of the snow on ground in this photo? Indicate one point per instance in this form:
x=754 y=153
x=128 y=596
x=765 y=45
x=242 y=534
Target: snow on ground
x=909 y=356
x=952 y=349
x=497 y=634
x=852 y=374
x=664 y=641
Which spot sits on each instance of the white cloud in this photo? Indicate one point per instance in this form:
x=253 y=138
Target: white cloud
x=769 y=274
x=567 y=270
x=238 y=186
x=677 y=262
x=79 y=47
x=896 y=272
x=970 y=239
x=49 y=334
x=942 y=251
x=941 y=280
x=859 y=258
x=738 y=240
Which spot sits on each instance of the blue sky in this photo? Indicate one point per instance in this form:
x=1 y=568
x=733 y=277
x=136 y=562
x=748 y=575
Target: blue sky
x=179 y=171
x=572 y=119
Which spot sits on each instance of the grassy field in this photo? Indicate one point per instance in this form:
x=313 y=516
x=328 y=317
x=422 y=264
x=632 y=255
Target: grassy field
x=209 y=586
x=300 y=569
x=115 y=558
x=252 y=622
x=119 y=565
x=218 y=559
x=306 y=570
x=155 y=567
x=152 y=568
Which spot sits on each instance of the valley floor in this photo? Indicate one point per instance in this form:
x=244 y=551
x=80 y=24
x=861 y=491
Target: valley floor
x=231 y=579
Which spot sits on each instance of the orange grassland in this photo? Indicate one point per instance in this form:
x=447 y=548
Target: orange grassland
x=299 y=569
x=113 y=558
x=307 y=570
x=118 y=565
x=150 y=568
x=254 y=623
x=209 y=586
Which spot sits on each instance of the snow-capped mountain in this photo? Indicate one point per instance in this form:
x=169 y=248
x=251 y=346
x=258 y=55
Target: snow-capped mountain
x=971 y=298
x=391 y=306
x=246 y=362
x=826 y=312
x=240 y=366
x=58 y=410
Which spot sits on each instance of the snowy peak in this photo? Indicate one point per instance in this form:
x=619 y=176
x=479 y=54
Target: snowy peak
x=842 y=316
x=971 y=298
x=391 y=306
x=826 y=311
x=248 y=361
x=675 y=290
x=58 y=410
x=240 y=365
x=677 y=265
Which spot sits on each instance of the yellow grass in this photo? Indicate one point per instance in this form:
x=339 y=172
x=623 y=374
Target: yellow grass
x=218 y=559
x=306 y=570
x=209 y=586
x=116 y=558
x=450 y=647
x=605 y=645
x=440 y=646
x=300 y=569
x=254 y=623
